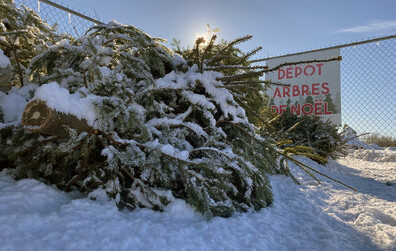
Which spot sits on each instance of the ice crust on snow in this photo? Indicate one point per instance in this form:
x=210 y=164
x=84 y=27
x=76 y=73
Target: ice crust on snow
x=307 y=217
x=59 y=99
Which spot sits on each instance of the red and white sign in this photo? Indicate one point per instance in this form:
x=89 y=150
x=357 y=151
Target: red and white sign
x=314 y=87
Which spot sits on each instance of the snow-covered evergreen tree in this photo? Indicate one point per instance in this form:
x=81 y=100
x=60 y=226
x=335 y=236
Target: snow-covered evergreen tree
x=157 y=127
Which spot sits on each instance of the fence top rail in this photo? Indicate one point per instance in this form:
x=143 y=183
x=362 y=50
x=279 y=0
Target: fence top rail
x=328 y=48
x=71 y=11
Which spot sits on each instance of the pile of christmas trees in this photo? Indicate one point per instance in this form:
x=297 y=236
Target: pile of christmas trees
x=116 y=113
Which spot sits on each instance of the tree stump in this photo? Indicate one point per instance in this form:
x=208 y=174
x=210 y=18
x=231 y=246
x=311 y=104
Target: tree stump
x=38 y=117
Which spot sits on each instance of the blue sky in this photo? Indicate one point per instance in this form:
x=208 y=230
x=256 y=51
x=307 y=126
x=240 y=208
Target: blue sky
x=280 y=27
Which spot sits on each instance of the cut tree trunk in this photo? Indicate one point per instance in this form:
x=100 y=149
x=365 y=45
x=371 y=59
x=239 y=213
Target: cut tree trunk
x=38 y=117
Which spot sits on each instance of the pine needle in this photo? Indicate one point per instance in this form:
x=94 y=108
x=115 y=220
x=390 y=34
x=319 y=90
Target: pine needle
x=302 y=166
x=231 y=44
x=249 y=54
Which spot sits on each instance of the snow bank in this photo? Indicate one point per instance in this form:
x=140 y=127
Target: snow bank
x=4 y=61
x=386 y=155
x=13 y=103
x=29 y=196
x=350 y=134
x=59 y=98
x=308 y=217
x=12 y=106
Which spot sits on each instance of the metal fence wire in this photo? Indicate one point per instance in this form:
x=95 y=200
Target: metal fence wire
x=368 y=87
x=65 y=20
x=368 y=71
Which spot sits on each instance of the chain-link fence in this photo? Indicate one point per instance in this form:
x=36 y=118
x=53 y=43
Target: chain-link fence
x=368 y=85
x=65 y=20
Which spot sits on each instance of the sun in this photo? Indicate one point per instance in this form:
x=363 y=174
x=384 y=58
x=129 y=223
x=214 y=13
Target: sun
x=207 y=36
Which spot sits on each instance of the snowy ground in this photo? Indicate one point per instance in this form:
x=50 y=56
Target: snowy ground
x=34 y=216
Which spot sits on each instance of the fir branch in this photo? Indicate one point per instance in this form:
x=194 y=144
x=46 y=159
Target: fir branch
x=159 y=40
x=300 y=164
x=207 y=49
x=231 y=44
x=240 y=128
x=237 y=41
x=15 y=54
x=185 y=115
x=267 y=82
x=120 y=38
x=127 y=205
x=111 y=139
x=40 y=143
x=112 y=29
x=2 y=43
x=250 y=74
x=339 y=58
x=16 y=32
x=283 y=164
x=308 y=172
x=180 y=160
x=173 y=158
x=357 y=136
x=141 y=185
x=240 y=159
x=20 y=71
x=73 y=180
x=128 y=173
x=249 y=54
x=251 y=111
x=209 y=149
x=231 y=87
x=241 y=96
x=198 y=42
x=102 y=141
x=182 y=171
x=293 y=127
x=235 y=67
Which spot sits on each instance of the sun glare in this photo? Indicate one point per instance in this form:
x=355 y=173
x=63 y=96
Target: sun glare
x=207 y=36
x=204 y=36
